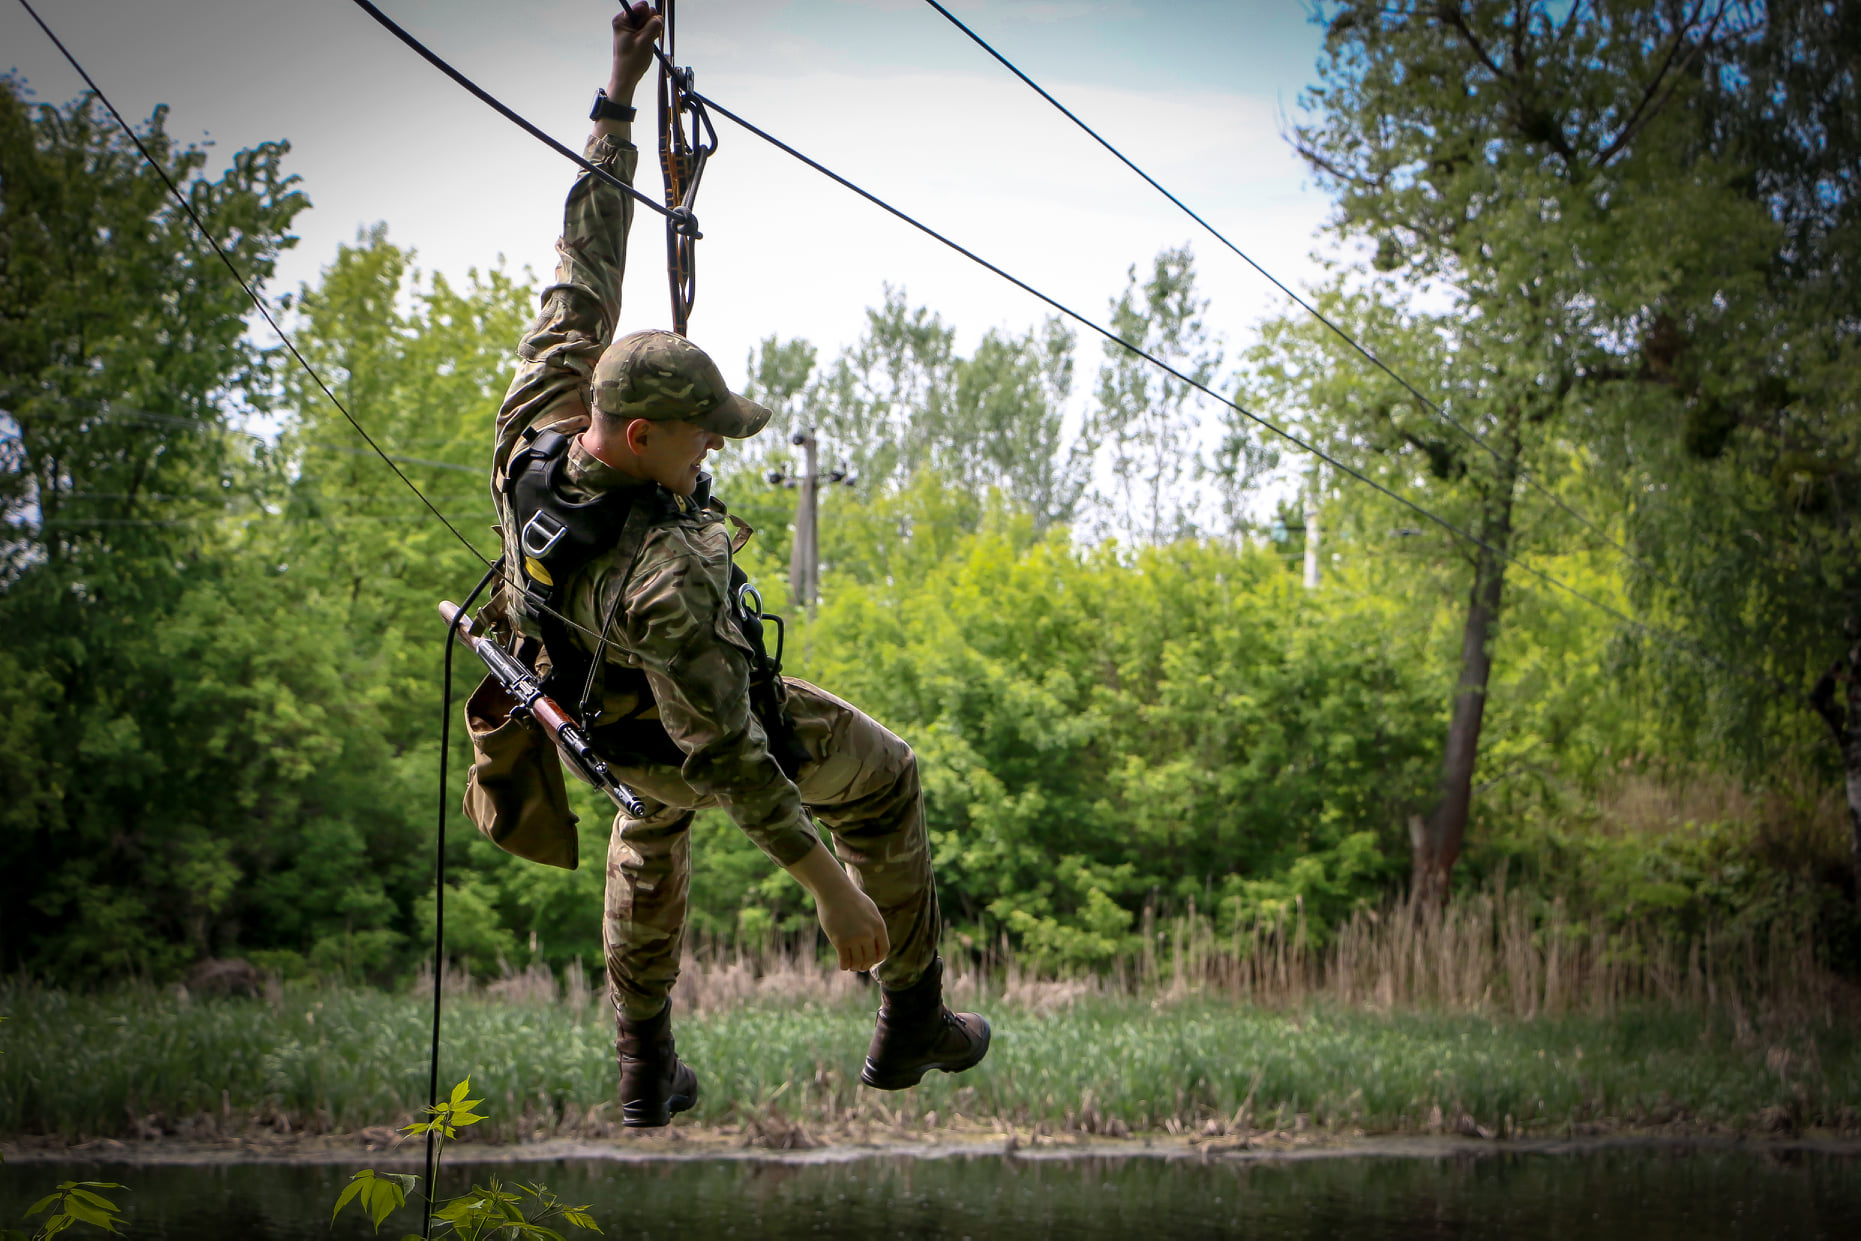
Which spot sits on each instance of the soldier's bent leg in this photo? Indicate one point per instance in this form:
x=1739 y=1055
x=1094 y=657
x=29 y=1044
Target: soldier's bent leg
x=648 y=885
x=863 y=784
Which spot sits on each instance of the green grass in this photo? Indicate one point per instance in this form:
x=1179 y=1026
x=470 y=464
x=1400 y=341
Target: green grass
x=338 y=1059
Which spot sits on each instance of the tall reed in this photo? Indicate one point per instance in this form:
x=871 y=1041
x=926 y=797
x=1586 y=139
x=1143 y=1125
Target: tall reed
x=1497 y=952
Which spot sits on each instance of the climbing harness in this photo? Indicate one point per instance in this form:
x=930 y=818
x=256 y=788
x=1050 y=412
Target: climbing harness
x=686 y=142
x=557 y=537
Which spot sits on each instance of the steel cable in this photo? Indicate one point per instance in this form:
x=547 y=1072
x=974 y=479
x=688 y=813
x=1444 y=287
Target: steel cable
x=488 y=99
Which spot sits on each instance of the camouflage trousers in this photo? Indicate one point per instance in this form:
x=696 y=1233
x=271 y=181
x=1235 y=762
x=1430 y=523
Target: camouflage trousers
x=860 y=780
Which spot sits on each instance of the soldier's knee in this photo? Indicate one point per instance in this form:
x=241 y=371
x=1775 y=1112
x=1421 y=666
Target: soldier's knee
x=664 y=823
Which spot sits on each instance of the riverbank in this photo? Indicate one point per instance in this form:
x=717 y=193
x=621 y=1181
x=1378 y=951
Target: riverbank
x=779 y=1069
x=728 y=1142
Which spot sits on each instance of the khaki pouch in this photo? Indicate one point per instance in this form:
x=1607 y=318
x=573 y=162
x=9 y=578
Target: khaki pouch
x=514 y=792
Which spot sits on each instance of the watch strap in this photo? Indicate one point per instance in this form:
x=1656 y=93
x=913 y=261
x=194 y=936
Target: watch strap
x=606 y=109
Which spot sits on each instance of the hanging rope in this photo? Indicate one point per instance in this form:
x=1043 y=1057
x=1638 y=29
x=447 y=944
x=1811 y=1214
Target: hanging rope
x=686 y=142
x=439 y=883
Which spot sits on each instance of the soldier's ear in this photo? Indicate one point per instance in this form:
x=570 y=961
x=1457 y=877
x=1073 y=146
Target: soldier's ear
x=639 y=434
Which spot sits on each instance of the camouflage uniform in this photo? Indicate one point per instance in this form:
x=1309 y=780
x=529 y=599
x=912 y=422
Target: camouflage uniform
x=672 y=623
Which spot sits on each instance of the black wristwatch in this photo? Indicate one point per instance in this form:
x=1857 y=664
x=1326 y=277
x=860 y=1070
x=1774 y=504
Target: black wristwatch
x=606 y=109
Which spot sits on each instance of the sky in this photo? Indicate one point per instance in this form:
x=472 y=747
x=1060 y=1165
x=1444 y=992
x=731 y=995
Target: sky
x=1198 y=92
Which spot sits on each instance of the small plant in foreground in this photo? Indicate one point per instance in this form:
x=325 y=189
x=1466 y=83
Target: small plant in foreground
x=73 y=1202
x=76 y=1205
x=488 y=1210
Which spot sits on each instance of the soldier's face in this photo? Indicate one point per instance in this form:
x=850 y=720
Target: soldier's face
x=671 y=453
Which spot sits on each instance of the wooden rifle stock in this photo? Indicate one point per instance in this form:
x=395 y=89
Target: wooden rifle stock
x=526 y=692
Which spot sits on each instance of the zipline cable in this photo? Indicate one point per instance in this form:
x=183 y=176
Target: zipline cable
x=257 y=301
x=1317 y=314
x=1674 y=639
x=484 y=96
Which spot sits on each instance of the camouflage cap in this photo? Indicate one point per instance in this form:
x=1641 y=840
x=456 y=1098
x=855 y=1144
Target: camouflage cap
x=660 y=375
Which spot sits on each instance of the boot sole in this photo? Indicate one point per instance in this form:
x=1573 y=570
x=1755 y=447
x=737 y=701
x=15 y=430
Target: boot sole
x=906 y=1079
x=644 y=1116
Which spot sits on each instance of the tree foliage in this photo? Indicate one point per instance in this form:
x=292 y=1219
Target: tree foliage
x=148 y=719
x=1613 y=240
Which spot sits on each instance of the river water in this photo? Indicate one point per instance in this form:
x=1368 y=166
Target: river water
x=1635 y=1193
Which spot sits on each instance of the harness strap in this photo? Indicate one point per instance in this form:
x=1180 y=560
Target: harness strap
x=557 y=537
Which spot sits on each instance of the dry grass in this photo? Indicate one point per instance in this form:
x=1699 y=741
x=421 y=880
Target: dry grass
x=1496 y=952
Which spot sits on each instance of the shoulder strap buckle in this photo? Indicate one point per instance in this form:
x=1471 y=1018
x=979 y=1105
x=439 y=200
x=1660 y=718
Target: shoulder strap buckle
x=541 y=534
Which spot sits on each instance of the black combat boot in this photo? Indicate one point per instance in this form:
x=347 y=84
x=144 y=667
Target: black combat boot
x=916 y=1034
x=654 y=1082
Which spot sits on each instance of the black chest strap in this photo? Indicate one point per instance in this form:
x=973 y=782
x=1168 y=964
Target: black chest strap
x=557 y=537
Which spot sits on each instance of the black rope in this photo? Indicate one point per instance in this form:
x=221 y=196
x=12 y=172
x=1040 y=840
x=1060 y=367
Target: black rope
x=1675 y=639
x=439 y=883
x=484 y=96
x=257 y=301
x=1317 y=314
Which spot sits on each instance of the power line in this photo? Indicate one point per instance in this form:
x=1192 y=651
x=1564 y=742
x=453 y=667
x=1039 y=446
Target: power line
x=1673 y=638
x=257 y=301
x=423 y=461
x=1343 y=335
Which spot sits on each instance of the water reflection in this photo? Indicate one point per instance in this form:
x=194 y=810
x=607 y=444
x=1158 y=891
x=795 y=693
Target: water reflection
x=1643 y=1193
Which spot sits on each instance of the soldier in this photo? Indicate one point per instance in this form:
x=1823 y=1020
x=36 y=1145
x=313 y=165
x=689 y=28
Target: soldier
x=600 y=445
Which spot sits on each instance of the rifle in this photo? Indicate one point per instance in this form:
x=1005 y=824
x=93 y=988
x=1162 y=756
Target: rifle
x=523 y=688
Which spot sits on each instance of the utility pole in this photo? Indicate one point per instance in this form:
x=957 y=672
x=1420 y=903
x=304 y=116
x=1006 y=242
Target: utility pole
x=804 y=563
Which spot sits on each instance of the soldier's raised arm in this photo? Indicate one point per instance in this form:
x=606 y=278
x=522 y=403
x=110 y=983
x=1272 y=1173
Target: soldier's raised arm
x=582 y=306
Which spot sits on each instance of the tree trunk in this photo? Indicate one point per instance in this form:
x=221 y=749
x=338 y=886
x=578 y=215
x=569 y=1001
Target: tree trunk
x=1435 y=842
x=1837 y=699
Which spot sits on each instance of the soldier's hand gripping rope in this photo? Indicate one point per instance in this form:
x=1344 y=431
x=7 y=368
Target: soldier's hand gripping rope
x=529 y=701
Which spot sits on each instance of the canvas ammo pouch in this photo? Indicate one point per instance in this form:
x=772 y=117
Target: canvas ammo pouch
x=514 y=792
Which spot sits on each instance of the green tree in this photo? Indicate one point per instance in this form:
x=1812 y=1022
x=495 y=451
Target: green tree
x=883 y=403
x=422 y=364
x=130 y=765
x=1740 y=415
x=1006 y=423
x=1524 y=161
x=1096 y=734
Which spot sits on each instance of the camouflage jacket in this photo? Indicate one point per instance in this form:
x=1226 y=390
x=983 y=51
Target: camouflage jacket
x=672 y=617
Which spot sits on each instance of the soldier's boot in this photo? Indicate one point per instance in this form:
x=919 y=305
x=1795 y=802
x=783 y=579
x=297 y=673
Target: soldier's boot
x=916 y=1034
x=654 y=1082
